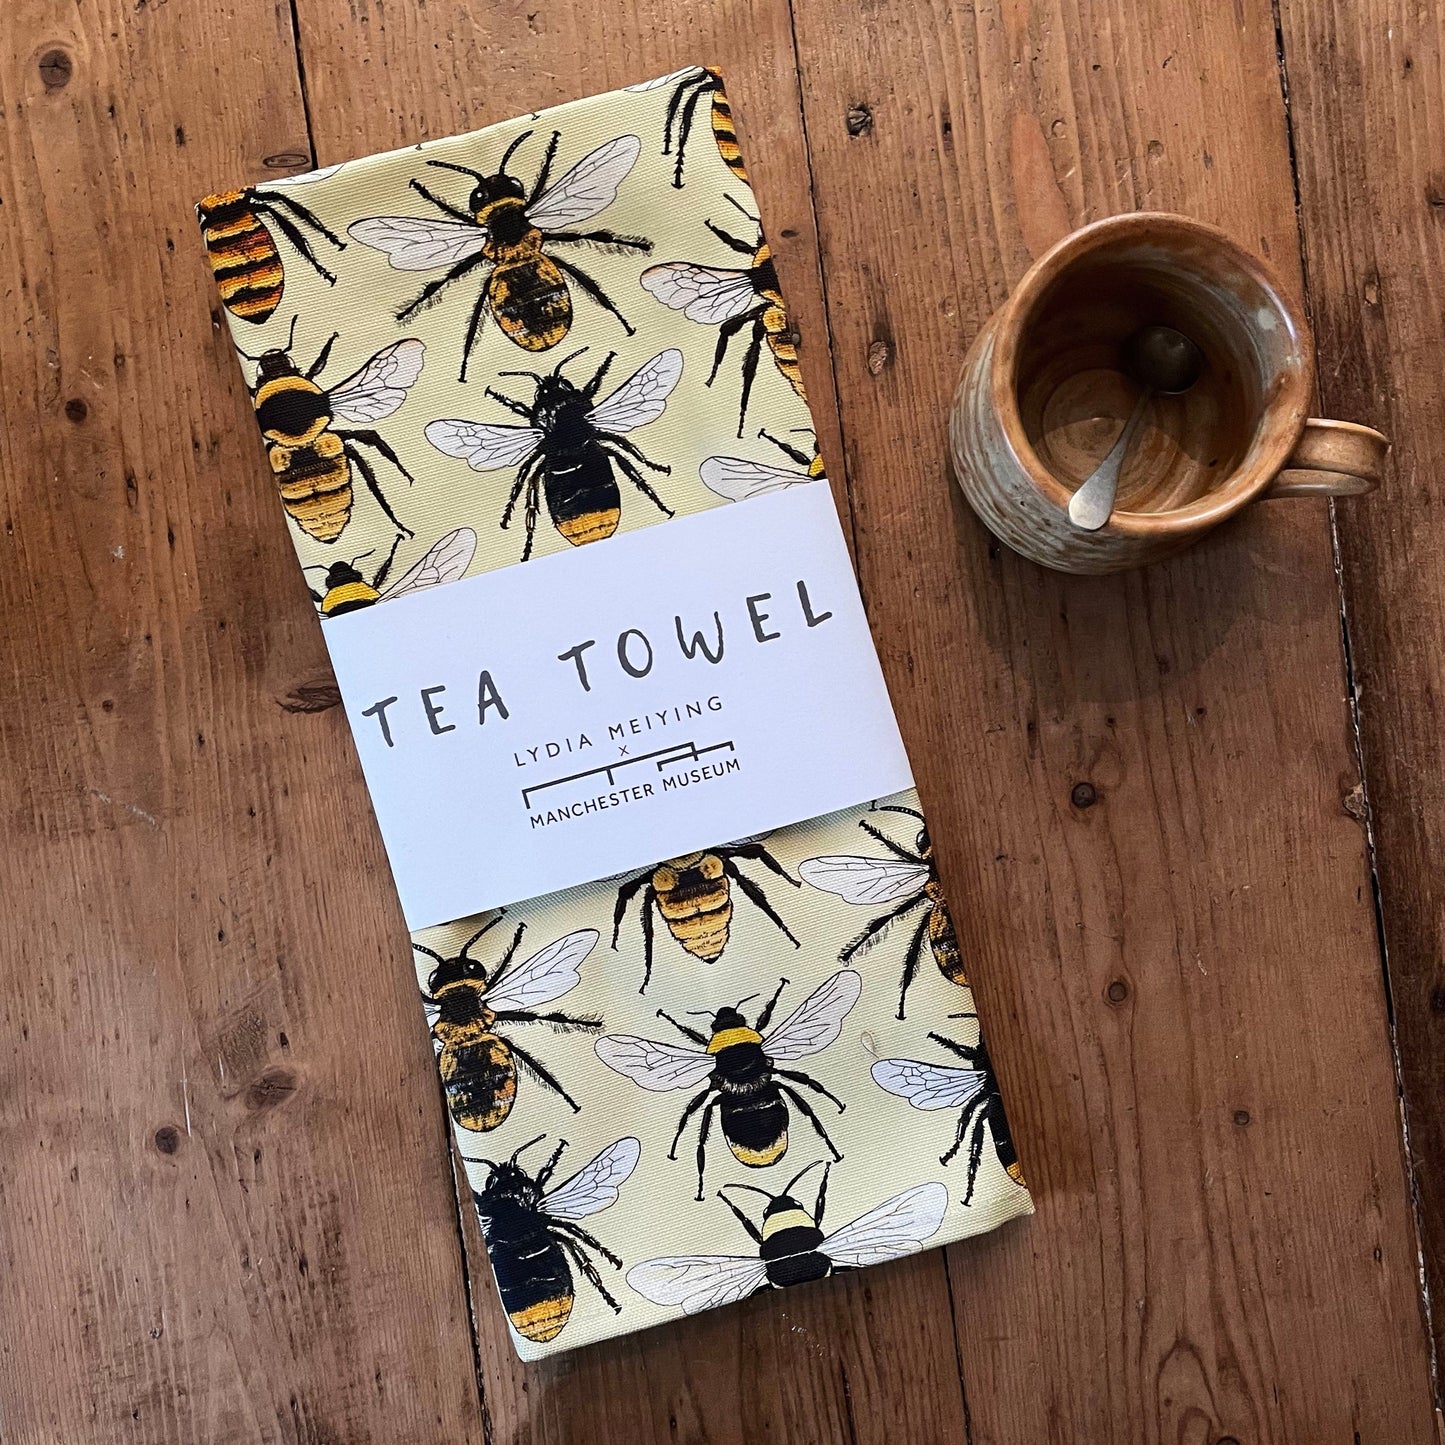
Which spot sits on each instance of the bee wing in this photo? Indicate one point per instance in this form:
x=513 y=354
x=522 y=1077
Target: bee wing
x=594 y=1186
x=697 y=1281
x=655 y=1066
x=896 y=1227
x=864 y=880
x=738 y=478
x=548 y=974
x=709 y=294
x=306 y=177
x=642 y=397
x=665 y=79
x=483 y=445
x=929 y=1086
x=419 y=243
x=818 y=1020
x=446 y=561
x=381 y=385
x=590 y=186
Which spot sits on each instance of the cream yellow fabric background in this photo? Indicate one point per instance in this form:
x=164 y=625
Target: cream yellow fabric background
x=887 y=1145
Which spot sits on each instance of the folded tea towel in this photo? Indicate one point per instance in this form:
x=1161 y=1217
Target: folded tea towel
x=742 y=1068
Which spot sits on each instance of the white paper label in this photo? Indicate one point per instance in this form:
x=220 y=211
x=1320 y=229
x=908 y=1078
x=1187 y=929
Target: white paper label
x=597 y=711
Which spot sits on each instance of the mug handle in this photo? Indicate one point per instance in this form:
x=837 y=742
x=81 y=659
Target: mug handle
x=1333 y=459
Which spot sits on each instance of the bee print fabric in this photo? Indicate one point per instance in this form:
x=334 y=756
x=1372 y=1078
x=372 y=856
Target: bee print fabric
x=735 y=1071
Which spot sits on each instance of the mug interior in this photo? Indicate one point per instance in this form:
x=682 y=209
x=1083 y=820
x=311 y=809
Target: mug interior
x=1069 y=392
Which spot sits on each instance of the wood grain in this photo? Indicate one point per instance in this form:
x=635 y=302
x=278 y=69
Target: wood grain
x=212 y=1069
x=228 y=1212
x=1372 y=205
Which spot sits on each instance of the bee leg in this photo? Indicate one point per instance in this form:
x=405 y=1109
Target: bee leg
x=568 y=1226
x=968 y=1055
x=787 y=448
x=730 y=241
x=975 y=1156
x=589 y=1270
x=640 y=482
x=898 y=851
x=549 y=1168
x=592 y=289
x=766 y=1017
x=649 y=902
x=603 y=238
x=429 y=293
x=684 y=128
x=595 y=385
x=319 y=365
x=703 y=1130
x=801 y=1078
x=636 y=453
x=866 y=939
x=375 y=439
x=512 y=405
x=822 y=1196
x=673 y=102
x=911 y=959
x=384 y=571
x=483 y=305
x=760 y=854
x=693 y=1105
x=683 y=1029
x=563 y=1023
x=750 y=371
x=754 y=1233
x=725 y=333
x=292 y=232
x=806 y=1110
x=540 y=184
x=524 y=478
x=754 y=894
x=445 y=207
x=304 y=214
x=541 y=1074
x=625 y=895
x=534 y=506
x=374 y=487
x=965 y=1118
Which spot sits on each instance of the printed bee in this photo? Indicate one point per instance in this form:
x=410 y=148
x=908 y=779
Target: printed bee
x=310 y=458
x=478 y=1065
x=571 y=447
x=971 y=1089
x=347 y=590
x=691 y=85
x=693 y=895
x=733 y=300
x=738 y=478
x=236 y=229
x=909 y=880
x=532 y=1232
x=741 y=1070
x=513 y=232
x=792 y=1247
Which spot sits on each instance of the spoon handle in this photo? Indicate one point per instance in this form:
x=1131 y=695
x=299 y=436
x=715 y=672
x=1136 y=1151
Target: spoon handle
x=1091 y=506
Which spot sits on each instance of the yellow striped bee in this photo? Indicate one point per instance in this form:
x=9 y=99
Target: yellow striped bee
x=693 y=895
x=532 y=1232
x=738 y=478
x=740 y=1070
x=236 y=228
x=310 y=458
x=972 y=1090
x=691 y=85
x=468 y=1006
x=733 y=300
x=908 y=879
x=347 y=590
x=791 y=1246
x=511 y=235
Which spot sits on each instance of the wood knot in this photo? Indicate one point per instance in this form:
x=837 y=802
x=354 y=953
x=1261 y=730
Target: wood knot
x=167 y=1139
x=76 y=410
x=1241 y=1117
x=879 y=355
x=311 y=697
x=287 y=160
x=56 y=68
x=274 y=1087
x=1084 y=795
x=1117 y=991
x=859 y=119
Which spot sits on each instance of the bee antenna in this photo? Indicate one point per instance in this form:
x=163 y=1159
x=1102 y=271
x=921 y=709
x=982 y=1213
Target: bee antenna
x=896 y=808
x=463 y=170
x=432 y=953
x=518 y=1151
x=490 y=1163
x=697 y=1013
x=788 y=1189
x=291 y=333
x=742 y=208
x=507 y=154
x=749 y=999
x=323 y=567
x=751 y=1188
x=963 y=1016
x=530 y=375
x=557 y=370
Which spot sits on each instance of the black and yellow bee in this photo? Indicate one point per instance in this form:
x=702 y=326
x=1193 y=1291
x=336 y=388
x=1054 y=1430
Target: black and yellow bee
x=236 y=228
x=908 y=879
x=693 y=895
x=310 y=458
x=733 y=300
x=689 y=87
x=478 y=1064
x=791 y=1246
x=513 y=233
x=571 y=447
x=347 y=590
x=532 y=1232
x=738 y=478
x=972 y=1089
x=741 y=1067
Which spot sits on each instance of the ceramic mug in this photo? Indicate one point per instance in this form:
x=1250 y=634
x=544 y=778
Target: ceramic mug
x=1044 y=394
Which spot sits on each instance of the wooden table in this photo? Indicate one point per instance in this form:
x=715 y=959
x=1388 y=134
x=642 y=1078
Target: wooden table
x=1175 y=815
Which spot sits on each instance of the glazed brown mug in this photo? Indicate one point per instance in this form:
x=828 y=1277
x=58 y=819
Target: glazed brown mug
x=1045 y=393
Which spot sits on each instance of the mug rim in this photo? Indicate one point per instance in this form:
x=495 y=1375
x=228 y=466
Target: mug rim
x=1292 y=398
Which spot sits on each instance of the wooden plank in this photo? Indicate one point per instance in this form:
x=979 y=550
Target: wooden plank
x=1372 y=206
x=867 y=1360
x=1139 y=783
x=224 y=1215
